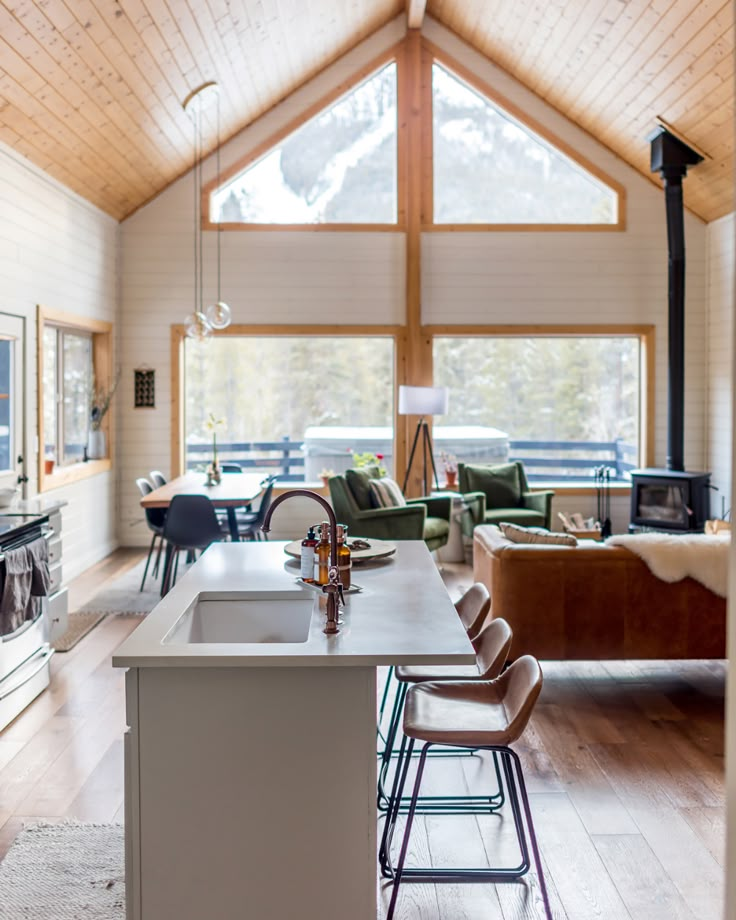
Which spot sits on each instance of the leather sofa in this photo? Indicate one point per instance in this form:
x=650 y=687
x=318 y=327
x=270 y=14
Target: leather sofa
x=594 y=601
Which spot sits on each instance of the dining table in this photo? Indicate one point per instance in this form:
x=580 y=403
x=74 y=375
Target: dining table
x=235 y=490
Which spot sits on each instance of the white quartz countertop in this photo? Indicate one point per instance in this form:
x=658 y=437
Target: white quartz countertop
x=403 y=615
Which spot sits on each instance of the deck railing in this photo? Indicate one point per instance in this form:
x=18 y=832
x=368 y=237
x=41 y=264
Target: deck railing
x=561 y=461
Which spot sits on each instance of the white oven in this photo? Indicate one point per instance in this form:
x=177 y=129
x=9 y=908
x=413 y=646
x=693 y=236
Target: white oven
x=24 y=654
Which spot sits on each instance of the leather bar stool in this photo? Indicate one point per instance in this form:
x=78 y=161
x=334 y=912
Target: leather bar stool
x=472 y=608
x=492 y=646
x=486 y=715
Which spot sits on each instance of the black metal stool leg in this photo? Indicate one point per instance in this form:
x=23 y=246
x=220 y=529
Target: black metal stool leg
x=532 y=833
x=402 y=768
x=407 y=830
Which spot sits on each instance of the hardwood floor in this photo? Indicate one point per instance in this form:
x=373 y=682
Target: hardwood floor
x=624 y=763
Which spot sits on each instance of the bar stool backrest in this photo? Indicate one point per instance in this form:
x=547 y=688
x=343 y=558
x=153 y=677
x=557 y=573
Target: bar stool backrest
x=473 y=608
x=519 y=687
x=492 y=648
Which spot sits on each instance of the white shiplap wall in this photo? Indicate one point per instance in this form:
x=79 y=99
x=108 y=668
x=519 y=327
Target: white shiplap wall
x=720 y=283
x=285 y=277
x=60 y=251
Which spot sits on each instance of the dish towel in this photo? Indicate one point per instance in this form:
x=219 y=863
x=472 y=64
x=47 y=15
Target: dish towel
x=15 y=605
x=40 y=575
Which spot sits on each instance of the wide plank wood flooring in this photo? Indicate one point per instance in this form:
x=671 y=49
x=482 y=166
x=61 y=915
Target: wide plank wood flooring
x=624 y=763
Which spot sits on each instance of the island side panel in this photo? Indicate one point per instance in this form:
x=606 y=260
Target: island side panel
x=257 y=793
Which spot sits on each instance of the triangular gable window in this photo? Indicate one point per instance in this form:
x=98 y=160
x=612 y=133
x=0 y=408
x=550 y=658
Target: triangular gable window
x=491 y=169
x=340 y=167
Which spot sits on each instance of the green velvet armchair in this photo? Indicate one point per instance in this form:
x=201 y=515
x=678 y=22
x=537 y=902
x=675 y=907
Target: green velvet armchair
x=507 y=495
x=425 y=518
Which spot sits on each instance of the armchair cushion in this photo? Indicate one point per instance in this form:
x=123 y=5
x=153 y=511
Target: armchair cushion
x=501 y=484
x=386 y=493
x=526 y=517
x=359 y=483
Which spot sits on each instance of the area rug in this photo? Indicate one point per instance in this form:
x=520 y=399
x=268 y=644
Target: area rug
x=123 y=594
x=79 y=625
x=64 y=872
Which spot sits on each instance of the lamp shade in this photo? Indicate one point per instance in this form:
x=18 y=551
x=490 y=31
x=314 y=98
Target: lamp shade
x=422 y=400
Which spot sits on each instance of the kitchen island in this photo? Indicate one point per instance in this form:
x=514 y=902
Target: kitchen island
x=250 y=757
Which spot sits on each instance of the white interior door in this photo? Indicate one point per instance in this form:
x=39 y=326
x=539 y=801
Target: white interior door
x=12 y=416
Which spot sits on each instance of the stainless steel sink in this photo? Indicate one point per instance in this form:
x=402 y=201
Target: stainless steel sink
x=244 y=617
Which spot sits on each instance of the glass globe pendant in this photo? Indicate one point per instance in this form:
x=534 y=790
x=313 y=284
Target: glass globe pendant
x=218 y=315
x=197 y=326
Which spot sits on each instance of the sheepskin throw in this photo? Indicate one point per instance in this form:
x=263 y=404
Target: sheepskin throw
x=670 y=557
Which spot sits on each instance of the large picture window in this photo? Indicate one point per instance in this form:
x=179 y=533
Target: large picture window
x=340 y=167
x=562 y=404
x=489 y=168
x=292 y=405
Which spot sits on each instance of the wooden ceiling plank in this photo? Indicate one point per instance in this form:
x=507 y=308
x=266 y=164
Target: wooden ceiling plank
x=98 y=42
x=56 y=155
x=629 y=75
x=703 y=54
x=80 y=98
x=706 y=75
x=39 y=101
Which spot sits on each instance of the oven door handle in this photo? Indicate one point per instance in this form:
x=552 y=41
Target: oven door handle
x=44 y=655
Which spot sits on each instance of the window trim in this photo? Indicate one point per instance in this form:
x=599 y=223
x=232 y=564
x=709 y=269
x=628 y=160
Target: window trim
x=102 y=362
x=178 y=335
x=433 y=54
x=644 y=332
x=395 y=55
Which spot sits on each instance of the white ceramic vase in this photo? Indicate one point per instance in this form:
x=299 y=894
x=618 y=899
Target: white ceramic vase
x=96 y=444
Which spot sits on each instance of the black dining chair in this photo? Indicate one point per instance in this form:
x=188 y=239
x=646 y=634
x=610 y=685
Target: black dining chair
x=157 y=478
x=231 y=468
x=191 y=525
x=249 y=523
x=155 y=520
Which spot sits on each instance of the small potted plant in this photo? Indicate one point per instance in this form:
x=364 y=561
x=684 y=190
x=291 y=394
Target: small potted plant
x=449 y=464
x=325 y=475
x=369 y=459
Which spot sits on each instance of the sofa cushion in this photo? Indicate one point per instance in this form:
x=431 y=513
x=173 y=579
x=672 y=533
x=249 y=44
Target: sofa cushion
x=359 y=483
x=386 y=493
x=518 y=534
x=501 y=484
x=435 y=528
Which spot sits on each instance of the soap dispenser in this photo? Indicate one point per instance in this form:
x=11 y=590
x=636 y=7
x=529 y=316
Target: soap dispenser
x=309 y=546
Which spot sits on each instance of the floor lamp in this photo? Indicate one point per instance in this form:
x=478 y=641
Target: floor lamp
x=422 y=401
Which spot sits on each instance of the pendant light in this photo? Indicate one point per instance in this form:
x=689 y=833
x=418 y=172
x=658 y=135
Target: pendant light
x=200 y=323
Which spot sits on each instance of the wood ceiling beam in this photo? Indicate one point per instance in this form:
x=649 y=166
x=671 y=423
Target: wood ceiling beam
x=415 y=10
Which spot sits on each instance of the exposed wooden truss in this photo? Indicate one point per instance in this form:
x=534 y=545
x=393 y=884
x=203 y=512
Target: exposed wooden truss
x=91 y=91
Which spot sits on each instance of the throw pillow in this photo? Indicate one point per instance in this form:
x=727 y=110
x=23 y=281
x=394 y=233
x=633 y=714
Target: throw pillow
x=359 y=484
x=501 y=484
x=387 y=493
x=518 y=534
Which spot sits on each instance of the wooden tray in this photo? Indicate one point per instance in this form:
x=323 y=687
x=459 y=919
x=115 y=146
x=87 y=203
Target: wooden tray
x=378 y=549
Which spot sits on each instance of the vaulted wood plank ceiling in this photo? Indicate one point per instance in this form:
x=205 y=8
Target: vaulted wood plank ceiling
x=91 y=90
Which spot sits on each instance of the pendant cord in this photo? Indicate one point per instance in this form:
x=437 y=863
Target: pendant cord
x=219 y=216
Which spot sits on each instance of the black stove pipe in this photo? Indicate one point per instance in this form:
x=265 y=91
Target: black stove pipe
x=670 y=157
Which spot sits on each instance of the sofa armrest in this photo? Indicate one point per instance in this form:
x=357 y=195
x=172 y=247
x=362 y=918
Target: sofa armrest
x=475 y=511
x=404 y=523
x=540 y=501
x=439 y=506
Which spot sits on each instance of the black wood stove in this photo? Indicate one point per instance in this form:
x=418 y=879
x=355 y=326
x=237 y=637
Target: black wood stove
x=672 y=499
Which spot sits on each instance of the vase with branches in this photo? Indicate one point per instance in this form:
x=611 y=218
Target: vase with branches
x=214 y=473
x=100 y=400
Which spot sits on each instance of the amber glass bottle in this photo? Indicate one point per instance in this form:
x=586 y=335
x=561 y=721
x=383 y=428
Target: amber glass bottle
x=323 y=554
x=344 y=560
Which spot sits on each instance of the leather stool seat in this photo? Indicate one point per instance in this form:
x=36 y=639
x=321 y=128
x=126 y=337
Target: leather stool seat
x=475 y=713
x=416 y=674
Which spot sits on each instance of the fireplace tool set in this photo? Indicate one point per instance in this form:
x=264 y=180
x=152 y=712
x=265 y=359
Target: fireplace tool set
x=602 y=475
